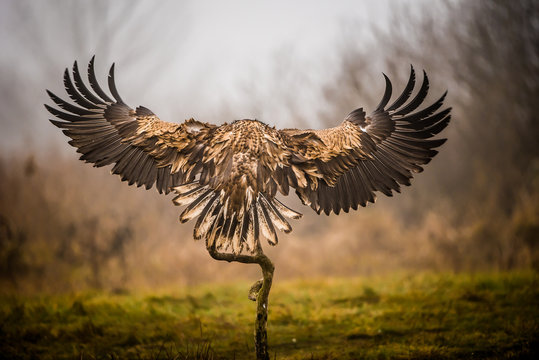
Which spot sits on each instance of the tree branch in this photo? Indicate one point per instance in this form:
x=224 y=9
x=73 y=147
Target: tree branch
x=261 y=334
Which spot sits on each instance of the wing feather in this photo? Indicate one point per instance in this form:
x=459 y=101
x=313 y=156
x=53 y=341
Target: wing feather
x=228 y=176
x=83 y=90
x=417 y=100
x=366 y=154
x=112 y=85
x=405 y=93
x=387 y=94
x=74 y=94
x=95 y=84
x=144 y=149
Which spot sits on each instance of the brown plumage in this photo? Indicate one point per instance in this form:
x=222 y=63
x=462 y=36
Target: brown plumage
x=228 y=176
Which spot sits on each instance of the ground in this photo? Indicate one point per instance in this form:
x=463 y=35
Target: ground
x=420 y=316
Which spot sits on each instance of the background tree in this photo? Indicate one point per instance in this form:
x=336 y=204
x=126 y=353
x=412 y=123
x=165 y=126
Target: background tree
x=475 y=207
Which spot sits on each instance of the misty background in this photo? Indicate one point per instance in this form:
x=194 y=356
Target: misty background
x=66 y=226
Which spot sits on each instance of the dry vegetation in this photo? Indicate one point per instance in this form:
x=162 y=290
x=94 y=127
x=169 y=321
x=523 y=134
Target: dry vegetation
x=66 y=226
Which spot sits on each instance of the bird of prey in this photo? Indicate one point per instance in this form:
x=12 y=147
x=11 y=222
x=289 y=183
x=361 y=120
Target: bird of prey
x=228 y=176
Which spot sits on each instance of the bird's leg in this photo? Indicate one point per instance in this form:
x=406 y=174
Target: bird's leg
x=259 y=292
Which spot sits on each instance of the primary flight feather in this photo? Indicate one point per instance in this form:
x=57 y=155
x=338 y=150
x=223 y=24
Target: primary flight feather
x=227 y=176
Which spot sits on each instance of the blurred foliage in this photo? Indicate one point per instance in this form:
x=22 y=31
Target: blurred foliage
x=66 y=226
x=484 y=52
x=479 y=199
x=422 y=316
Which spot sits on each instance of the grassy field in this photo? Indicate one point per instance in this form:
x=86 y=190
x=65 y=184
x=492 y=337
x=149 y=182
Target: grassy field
x=487 y=316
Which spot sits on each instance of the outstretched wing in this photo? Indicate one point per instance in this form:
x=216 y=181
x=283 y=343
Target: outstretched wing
x=144 y=149
x=222 y=175
x=365 y=154
x=227 y=176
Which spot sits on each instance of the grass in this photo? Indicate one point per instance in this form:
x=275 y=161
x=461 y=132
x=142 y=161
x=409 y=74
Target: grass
x=425 y=316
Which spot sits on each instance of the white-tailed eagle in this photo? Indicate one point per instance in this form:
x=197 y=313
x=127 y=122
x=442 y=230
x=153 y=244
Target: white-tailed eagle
x=228 y=176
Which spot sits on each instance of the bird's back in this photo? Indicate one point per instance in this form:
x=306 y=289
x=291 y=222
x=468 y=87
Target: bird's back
x=227 y=176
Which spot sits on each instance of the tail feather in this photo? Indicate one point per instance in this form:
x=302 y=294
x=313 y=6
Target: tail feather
x=253 y=230
x=237 y=242
x=235 y=231
x=187 y=195
x=185 y=188
x=221 y=241
x=231 y=234
x=195 y=208
x=205 y=218
x=244 y=235
x=215 y=227
x=266 y=225
x=285 y=210
x=275 y=216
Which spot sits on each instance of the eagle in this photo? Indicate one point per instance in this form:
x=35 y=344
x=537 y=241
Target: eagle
x=228 y=177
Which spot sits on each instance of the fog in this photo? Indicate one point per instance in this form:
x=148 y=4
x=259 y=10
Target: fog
x=67 y=226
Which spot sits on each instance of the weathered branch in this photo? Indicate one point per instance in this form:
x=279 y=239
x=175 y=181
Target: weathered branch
x=262 y=295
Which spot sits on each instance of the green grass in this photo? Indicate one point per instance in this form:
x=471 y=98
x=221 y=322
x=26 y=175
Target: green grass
x=492 y=316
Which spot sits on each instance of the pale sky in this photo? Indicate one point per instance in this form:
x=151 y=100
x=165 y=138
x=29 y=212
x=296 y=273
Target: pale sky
x=179 y=58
